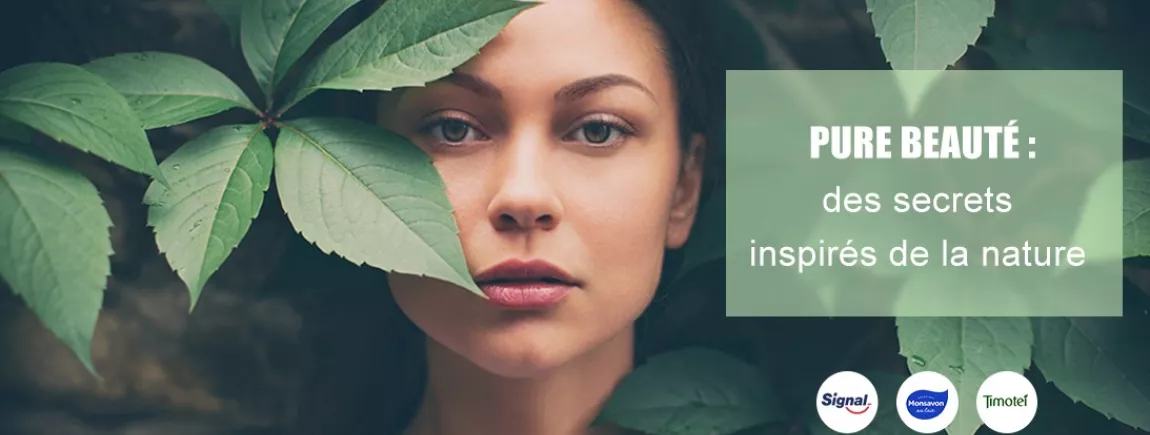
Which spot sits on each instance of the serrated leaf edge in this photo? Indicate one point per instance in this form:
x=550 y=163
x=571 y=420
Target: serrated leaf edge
x=194 y=295
x=301 y=93
x=471 y=288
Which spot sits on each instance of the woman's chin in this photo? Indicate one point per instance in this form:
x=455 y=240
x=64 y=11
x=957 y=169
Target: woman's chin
x=524 y=361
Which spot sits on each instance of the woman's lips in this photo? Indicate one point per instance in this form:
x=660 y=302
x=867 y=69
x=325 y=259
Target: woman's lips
x=525 y=295
x=520 y=284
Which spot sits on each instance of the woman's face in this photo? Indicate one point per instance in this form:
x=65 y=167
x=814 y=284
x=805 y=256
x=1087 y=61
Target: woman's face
x=558 y=143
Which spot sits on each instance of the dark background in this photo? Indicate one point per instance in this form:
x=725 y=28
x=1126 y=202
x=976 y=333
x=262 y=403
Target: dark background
x=287 y=340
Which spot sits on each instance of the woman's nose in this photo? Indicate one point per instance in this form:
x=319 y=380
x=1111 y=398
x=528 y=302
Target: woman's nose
x=526 y=198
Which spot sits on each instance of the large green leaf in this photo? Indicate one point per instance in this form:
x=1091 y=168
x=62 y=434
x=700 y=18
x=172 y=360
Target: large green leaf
x=275 y=33
x=76 y=107
x=1124 y=186
x=1135 y=208
x=1101 y=362
x=15 y=131
x=693 y=392
x=55 y=245
x=167 y=89
x=370 y=196
x=967 y=350
x=927 y=34
x=407 y=43
x=217 y=186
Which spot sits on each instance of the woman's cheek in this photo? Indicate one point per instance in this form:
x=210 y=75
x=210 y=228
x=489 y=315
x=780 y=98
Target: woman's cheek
x=621 y=218
x=466 y=191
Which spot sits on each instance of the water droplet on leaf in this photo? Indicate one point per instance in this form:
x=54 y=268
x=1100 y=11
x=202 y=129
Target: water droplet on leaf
x=238 y=128
x=75 y=101
x=918 y=361
x=175 y=167
x=957 y=369
x=196 y=226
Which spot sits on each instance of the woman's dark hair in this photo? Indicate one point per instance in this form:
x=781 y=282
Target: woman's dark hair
x=682 y=25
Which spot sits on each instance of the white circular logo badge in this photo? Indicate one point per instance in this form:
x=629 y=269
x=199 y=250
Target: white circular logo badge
x=847 y=402
x=1006 y=402
x=927 y=402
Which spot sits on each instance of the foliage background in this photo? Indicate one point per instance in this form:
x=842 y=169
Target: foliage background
x=287 y=340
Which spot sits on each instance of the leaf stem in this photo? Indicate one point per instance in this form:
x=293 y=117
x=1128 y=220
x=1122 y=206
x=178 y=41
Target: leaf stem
x=267 y=119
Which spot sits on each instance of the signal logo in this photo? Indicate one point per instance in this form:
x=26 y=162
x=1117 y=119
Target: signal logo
x=927 y=402
x=852 y=404
x=847 y=402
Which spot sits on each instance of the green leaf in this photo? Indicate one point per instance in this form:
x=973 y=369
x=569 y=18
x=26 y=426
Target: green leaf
x=407 y=43
x=276 y=33
x=370 y=196
x=76 y=107
x=927 y=34
x=708 y=241
x=1135 y=208
x=218 y=182
x=966 y=350
x=229 y=11
x=693 y=391
x=55 y=245
x=1124 y=186
x=1100 y=362
x=167 y=89
x=886 y=419
x=15 y=131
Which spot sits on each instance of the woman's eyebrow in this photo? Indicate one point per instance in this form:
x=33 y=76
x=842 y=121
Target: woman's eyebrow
x=573 y=91
x=584 y=87
x=475 y=84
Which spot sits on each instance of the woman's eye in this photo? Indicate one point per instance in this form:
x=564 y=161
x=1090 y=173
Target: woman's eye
x=454 y=132
x=599 y=134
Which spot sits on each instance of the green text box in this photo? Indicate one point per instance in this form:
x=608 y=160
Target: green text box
x=1016 y=153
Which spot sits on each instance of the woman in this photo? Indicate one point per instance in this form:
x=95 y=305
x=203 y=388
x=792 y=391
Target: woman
x=572 y=149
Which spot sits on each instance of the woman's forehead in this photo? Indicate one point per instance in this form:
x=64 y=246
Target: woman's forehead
x=575 y=38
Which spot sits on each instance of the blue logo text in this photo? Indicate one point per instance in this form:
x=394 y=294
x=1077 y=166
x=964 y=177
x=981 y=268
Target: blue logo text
x=925 y=404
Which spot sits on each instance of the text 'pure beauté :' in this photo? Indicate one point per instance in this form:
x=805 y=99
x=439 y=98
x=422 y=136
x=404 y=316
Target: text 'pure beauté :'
x=917 y=142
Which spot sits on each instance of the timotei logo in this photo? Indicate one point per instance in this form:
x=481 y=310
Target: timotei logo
x=1005 y=402
x=852 y=404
